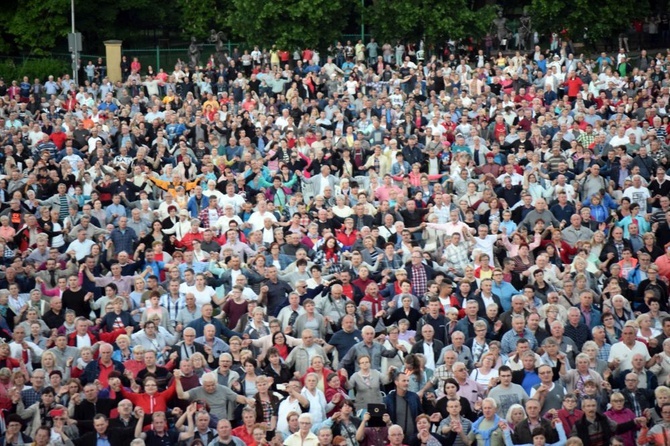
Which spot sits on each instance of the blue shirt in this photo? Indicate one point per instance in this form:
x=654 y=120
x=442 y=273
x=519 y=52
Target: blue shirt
x=529 y=380
x=101 y=441
x=505 y=291
x=508 y=342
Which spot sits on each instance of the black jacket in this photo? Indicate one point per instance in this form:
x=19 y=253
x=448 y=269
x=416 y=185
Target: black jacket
x=582 y=428
x=523 y=435
x=116 y=437
x=437 y=348
x=199 y=348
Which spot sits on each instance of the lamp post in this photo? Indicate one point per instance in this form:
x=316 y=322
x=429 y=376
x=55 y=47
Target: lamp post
x=75 y=47
x=362 y=21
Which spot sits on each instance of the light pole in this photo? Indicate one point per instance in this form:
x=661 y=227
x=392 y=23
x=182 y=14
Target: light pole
x=75 y=46
x=362 y=20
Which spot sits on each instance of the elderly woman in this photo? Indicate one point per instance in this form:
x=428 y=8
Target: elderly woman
x=621 y=313
x=123 y=352
x=662 y=366
x=367 y=383
x=590 y=348
x=156 y=338
x=322 y=372
x=622 y=415
x=574 y=379
x=136 y=361
x=515 y=415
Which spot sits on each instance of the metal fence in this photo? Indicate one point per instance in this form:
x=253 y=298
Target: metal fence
x=166 y=58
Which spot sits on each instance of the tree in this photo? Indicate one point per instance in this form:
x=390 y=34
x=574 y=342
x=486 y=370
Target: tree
x=197 y=17
x=432 y=20
x=583 y=17
x=289 y=23
x=36 y=25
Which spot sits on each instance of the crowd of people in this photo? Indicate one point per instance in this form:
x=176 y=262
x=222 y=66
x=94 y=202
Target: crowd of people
x=378 y=248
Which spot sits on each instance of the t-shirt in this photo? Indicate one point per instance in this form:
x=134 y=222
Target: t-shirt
x=638 y=195
x=217 y=401
x=343 y=341
x=505 y=398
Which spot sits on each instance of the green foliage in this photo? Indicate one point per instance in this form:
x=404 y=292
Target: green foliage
x=290 y=23
x=197 y=17
x=579 y=17
x=36 y=25
x=33 y=68
x=432 y=20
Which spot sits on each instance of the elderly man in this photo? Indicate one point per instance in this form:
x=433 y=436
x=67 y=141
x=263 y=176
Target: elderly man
x=469 y=389
x=99 y=370
x=622 y=353
x=213 y=345
x=576 y=232
x=429 y=347
x=301 y=356
x=486 y=430
x=214 y=394
x=595 y=429
x=458 y=345
x=188 y=347
x=518 y=331
x=367 y=347
x=646 y=380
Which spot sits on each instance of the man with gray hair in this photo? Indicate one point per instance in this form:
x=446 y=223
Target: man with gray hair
x=224 y=375
x=575 y=329
x=367 y=347
x=214 y=394
x=487 y=432
x=188 y=347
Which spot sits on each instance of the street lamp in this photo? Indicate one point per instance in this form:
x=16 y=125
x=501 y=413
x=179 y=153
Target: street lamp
x=74 y=42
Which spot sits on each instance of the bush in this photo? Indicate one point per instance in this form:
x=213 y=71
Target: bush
x=33 y=68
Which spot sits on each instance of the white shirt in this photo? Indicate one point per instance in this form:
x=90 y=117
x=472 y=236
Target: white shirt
x=16 y=352
x=429 y=355
x=486 y=245
x=625 y=355
x=638 y=195
x=83 y=341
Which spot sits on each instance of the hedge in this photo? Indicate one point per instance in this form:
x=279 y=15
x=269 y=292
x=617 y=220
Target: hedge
x=33 y=68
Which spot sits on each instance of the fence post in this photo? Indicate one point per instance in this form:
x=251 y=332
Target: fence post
x=158 y=58
x=230 y=48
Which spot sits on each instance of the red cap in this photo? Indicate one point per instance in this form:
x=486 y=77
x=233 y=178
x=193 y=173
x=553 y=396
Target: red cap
x=57 y=412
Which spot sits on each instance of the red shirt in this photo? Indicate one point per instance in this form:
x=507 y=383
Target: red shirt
x=242 y=433
x=104 y=373
x=574 y=86
x=347 y=240
x=58 y=138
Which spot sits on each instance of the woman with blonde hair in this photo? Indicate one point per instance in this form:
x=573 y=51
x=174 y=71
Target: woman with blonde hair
x=124 y=352
x=597 y=244
x=49 y=362
x=199 y=364
x=645 y=331
x=137 y=362
x=486 y=371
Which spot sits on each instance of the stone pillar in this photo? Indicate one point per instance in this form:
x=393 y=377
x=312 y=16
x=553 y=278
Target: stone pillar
x=113 y=59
